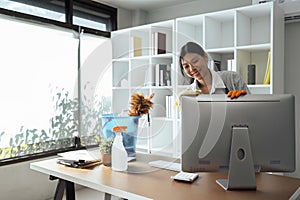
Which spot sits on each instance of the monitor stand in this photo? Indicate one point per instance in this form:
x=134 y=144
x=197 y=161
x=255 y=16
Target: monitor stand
x=241 y=175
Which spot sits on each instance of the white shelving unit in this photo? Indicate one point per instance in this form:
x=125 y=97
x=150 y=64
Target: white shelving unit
x=244 y=34
x=137 y=74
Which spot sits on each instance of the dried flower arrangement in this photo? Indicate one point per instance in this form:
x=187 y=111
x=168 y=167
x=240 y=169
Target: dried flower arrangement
x=140 y=104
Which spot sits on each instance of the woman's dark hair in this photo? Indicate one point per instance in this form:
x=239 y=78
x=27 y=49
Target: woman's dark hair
x=190 y=47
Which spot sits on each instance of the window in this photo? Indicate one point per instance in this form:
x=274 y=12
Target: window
x=89 y=15
x=46 y=101
x=45 y=9
x=95 y=84
x=70 y=13
x=37 y=80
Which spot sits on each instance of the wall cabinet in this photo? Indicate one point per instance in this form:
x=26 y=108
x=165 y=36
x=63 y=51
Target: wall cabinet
x=236 y=37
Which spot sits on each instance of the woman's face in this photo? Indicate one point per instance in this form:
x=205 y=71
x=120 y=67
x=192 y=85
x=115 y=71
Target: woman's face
x=195 y=66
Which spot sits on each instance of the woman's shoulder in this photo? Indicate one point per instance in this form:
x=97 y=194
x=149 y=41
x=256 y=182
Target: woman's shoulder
x=227 y=74
x=233 y=80
x=230 y=76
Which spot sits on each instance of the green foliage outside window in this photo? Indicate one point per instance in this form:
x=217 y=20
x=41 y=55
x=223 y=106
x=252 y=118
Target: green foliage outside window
x=63 y=127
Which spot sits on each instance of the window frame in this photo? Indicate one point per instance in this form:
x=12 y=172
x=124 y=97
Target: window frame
x=69 y=4
x=69 y=8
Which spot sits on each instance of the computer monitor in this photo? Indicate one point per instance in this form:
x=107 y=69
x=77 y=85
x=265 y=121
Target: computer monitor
x=253 y=133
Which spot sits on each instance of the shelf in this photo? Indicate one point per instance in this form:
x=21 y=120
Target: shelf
x=166 y=55
x=167 y=119
x=140 y=58
x=257 y=57
x=120 y=74
x=254 y=25
x=139 y=42
x=162 y=87
x=260 y=89
x=120 y=39
x=189 y=29
x=221 y=50
x=243 y=35
x=257 y=47
x=120 y=100
x=259 y=86
x=219 y=29
x=120 y=88
x=257 y=10
x=120 y=60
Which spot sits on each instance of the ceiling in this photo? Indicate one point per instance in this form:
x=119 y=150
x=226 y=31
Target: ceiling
x=143 y=4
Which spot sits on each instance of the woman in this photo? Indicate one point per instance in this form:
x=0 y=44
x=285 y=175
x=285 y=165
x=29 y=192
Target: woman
x=194 y=63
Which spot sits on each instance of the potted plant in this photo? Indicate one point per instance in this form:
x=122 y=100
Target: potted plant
x=105 y=150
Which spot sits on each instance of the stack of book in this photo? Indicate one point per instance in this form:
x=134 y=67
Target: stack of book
x=162 y=75
x=169 y=106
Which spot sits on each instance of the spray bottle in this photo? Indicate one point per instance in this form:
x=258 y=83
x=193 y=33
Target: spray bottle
x=119 y=154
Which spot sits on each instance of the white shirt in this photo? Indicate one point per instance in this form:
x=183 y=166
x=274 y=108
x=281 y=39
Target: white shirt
x=217 y=87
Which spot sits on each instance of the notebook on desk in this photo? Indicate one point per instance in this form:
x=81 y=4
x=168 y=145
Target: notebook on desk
x=86 y=155
x=80 y=158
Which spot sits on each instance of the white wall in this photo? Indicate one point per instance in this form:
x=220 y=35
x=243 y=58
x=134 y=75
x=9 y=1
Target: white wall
x=192 y=8
x=130 y=18
x=124 y=18
x=292 y=81
x=19 y=182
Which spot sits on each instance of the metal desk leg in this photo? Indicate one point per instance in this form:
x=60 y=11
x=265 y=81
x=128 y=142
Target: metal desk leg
x=70 y=190
x=60 y=188
x=107 y=196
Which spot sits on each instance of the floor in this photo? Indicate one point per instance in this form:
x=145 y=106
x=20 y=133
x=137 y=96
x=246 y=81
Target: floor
x=90 y=194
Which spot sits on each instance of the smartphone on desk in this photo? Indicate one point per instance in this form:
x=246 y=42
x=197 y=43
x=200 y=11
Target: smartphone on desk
x=185 y=177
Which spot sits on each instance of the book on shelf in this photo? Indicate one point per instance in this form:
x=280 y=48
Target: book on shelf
x=231 y=65
x=267 y=74
x=158 y=43
x=162 y=75
x=170 y=106
x=137 y=46
x=156 y=75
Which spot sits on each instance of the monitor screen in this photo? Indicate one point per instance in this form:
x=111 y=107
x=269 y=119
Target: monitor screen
x=253 y=133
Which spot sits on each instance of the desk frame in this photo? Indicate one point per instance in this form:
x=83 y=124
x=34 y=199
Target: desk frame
x=158 y=185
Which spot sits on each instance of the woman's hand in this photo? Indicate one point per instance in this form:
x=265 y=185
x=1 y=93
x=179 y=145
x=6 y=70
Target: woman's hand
x=236 y=93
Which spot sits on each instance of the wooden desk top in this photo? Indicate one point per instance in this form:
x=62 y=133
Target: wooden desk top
x=144 y=182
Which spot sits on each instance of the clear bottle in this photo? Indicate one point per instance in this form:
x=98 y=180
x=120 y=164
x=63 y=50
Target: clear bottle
x=118 y=154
